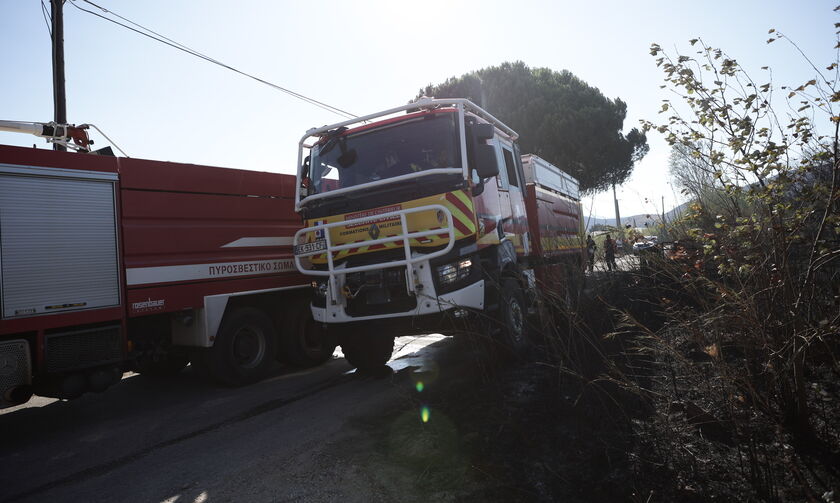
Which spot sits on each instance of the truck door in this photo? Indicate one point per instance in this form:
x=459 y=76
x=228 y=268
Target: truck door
x=511 y=199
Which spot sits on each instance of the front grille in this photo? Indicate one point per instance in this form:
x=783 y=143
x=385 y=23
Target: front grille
x=15 y=366
x=379 y=292
x=83 y=348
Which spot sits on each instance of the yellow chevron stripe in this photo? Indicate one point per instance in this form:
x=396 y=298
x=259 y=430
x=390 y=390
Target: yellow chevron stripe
x=467 y=220
x=459 y=215
x=460 y=194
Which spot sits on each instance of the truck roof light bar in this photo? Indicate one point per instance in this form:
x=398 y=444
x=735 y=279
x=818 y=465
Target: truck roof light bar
x=427 y=103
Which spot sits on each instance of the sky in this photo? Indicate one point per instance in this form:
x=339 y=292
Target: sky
x=364 y=56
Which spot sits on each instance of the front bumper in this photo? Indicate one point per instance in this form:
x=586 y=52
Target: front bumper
x=427 y=301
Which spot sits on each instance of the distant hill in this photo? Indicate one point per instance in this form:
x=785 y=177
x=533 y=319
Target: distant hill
x=638 y=220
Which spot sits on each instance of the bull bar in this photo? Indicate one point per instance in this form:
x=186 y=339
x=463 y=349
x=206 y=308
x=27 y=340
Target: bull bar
x=405 y=236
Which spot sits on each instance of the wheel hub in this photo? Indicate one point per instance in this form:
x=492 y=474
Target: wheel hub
x=249 y=347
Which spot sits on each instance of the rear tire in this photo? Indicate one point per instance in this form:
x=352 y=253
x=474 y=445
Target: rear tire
x=244 y=348
x=514 y=317
x=368 y=352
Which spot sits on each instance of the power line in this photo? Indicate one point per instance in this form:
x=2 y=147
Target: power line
x=167 y=41
x=146 y=32
x=47 y=21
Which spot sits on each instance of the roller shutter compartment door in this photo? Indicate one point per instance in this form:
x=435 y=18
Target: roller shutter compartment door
x=58 y=244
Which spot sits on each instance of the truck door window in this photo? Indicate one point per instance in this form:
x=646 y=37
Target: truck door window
x=502 y=179
x=510 y=167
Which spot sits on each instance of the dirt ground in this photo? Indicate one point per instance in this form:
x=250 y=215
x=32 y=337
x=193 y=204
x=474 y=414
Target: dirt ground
x=509 y=432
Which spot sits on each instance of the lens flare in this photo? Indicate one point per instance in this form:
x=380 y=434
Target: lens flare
x=419 y=386
x=424 y=414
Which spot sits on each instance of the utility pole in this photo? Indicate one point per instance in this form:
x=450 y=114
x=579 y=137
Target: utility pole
x=617 y=214
x=663 y=212
x=664 y=232
x=59 y=101
x=481 y=89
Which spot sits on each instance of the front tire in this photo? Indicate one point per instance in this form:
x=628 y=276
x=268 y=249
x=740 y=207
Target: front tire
x=244 y=348
x=368 y=352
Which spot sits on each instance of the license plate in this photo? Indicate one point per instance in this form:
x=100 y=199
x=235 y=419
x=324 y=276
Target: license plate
x=315 y=246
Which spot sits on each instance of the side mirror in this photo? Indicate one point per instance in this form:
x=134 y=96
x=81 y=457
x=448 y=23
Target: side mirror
x=483 y=158
x=305 y=181
x=486 y=164
x=483 y=132
x=304 y=168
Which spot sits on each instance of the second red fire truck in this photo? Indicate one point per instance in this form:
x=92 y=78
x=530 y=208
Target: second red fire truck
x=110 y=262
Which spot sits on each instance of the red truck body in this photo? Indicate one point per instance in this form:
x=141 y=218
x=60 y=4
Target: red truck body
x=187 y=239
x=555 y=224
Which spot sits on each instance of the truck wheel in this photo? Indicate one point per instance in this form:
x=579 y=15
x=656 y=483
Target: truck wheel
x=306 y=343
x=163 y=364
x=368 y=352
x=244 y=348
x=513 y=316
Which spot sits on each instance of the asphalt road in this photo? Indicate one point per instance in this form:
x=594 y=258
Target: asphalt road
x=293 y=437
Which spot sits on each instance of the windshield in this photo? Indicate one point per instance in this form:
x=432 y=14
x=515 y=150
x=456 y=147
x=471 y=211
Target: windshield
x=419 y=144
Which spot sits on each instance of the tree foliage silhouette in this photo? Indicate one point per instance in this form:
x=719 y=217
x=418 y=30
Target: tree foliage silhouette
x=559 y=117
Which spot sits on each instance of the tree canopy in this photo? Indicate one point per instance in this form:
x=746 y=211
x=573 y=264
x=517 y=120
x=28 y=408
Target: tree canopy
x=559 y=117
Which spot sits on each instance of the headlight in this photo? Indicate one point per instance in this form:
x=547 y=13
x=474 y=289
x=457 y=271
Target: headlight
x=319 y=288
x=454 y=271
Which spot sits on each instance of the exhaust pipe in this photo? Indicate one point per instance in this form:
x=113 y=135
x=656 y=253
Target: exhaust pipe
x=17 y=395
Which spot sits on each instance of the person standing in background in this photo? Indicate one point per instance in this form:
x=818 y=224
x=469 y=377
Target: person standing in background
x=609 y=253
x=590 y=251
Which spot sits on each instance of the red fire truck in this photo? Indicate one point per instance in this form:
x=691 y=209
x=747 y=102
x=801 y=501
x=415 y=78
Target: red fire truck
x=428 y=209
x=109 y=261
